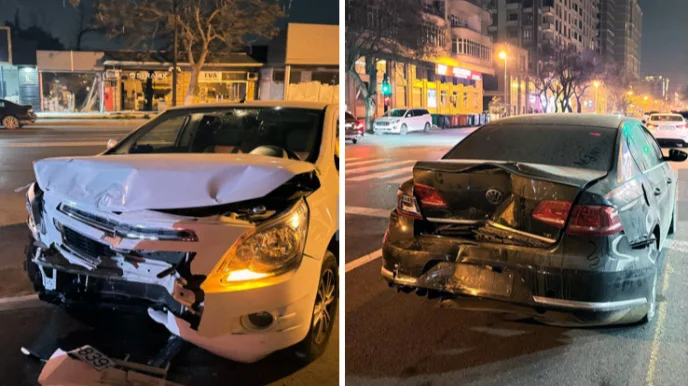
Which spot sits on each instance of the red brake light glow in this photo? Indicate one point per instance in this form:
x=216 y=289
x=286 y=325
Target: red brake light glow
x=593 y=220
x=429 y=196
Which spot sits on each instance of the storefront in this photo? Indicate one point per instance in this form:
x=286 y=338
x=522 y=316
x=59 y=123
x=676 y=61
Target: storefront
x=134 y=83
x=303 y=64
x=70 y=81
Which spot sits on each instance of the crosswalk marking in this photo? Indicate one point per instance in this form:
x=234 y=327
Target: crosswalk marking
x=360 y=163
x=399 y=181
x=384 y=174
x=376 y=167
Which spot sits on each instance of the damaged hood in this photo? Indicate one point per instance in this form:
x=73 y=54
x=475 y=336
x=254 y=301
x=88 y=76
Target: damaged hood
x=124 y=183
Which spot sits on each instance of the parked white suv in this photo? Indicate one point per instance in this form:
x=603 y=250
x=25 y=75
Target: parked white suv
x=402 y=121
x=669 y=129
x=220 y=221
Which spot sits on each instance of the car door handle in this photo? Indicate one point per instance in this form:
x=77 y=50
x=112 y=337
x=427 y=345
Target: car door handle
x=657 y=191
x=669 y=181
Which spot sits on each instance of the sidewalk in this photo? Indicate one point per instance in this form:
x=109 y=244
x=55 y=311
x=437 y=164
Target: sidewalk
x=96 y=115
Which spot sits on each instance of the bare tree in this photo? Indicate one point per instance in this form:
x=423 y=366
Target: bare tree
x=85 y=22
x=584 y=73
x=383 y=29
x=208 y=29
x=544 y=76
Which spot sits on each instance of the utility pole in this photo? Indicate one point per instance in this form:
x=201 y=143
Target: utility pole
x=174 y=74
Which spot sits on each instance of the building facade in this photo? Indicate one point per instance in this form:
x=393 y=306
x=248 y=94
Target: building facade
x=628 y=35
x=658 y=87
x=448 y=84
x=607 y=30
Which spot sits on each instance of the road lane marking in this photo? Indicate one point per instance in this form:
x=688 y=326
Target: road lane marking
x=360 y=261
x=373 y=212
x=53 y=144
x=367 y=162
x=375 y=167
x=654 y=354
x=384 y=174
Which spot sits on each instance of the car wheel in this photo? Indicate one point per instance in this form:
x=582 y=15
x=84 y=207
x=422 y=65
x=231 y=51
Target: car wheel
x=403 y=129
x=354 y=141
x=10 y=122
x=427 y=127
x=674 y=220
x=323 y=316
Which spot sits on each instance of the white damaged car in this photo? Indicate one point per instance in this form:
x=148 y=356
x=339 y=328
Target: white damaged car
x=220 y=221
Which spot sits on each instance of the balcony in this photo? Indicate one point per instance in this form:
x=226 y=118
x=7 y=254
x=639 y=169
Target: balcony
x=549 y=10
x=435 y=9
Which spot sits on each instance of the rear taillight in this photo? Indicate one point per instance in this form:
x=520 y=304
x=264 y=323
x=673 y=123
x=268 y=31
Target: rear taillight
x=360 y=126
x=429 y=196
x=593 y=220
x=407 y=205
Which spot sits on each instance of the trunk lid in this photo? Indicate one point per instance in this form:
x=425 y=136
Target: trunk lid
x=122 y=183
x=504 y=195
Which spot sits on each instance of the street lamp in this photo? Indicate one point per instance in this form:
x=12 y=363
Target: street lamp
x=596 y=96
x=504 y=56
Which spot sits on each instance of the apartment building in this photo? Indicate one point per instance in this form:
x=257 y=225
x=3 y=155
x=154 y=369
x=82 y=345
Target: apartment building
x=628 y=35
x=657 y=87
x=450 y=82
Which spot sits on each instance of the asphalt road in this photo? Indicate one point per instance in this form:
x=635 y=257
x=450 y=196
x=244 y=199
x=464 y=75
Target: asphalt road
x=44 y=327
x=393 y=338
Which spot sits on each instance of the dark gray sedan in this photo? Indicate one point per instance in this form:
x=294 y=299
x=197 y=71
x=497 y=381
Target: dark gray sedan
x=561 y=217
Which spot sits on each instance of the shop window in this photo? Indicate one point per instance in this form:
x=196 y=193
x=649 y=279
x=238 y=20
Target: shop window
x=295 y=77
x=444 y=97
x=70 y=92
x=279 y=75
x=325 y=77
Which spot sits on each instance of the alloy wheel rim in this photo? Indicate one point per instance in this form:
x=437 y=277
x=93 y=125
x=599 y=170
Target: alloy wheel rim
x=325 y=297
x=10 y=122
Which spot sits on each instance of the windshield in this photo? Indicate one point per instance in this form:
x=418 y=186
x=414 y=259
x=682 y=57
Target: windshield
x=395 y=113
x=666 y=118
x=570 y=146
x=233 y=130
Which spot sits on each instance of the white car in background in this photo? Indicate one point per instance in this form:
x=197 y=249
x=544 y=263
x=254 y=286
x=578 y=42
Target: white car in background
x=668 y=128
x=220 y=221
x=402 y=121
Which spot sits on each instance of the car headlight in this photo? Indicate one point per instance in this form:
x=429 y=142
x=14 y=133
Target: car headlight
x=272 y=249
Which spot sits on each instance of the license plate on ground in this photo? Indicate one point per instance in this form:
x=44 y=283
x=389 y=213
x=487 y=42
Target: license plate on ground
x=93 y=357
x=478 y=280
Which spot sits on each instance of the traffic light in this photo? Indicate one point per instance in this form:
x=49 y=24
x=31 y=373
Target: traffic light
x=385 y=86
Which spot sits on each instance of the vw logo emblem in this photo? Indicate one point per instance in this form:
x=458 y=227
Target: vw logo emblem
x=494 y=196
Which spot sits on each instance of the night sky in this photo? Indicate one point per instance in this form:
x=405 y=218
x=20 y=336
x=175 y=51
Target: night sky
x=664 y=29
x=59 y=17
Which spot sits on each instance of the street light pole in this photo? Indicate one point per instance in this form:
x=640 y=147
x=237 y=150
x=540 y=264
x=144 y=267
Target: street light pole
x=174 y=74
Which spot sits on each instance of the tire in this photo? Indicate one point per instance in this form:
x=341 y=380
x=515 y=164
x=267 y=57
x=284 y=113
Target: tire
x=314 y=344
x=427 y=127
x=403 y=129
x=354 y=141
x=10 y=122
x=674 y=220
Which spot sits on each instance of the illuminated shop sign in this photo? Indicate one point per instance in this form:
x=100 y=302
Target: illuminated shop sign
x=144 y=75
x=442 y=69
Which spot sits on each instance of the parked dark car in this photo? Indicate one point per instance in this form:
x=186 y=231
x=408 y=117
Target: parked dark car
x=354 y=129
x=14 y=116
x=560 y=217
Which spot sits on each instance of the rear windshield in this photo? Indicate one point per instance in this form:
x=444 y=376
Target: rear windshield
x=570 y=146
x=666 y=118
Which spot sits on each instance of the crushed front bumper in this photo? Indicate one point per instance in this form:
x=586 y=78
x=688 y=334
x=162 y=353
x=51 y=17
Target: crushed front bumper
x=514 y=279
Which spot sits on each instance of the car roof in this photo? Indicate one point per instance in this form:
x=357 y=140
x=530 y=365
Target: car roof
x=673 y=114
x=286 y=104
x=595 y=120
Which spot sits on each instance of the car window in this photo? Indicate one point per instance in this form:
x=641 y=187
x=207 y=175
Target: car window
x=570 y=146
x=409 y=114
x=656 y=149
x=395 y=113
x=229 y=130
x=423 y=112
x=640 y=148
x=2 y=103
x=666 y=118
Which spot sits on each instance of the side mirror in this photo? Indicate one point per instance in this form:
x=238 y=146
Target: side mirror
x=111 y=143
x=676 y=155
